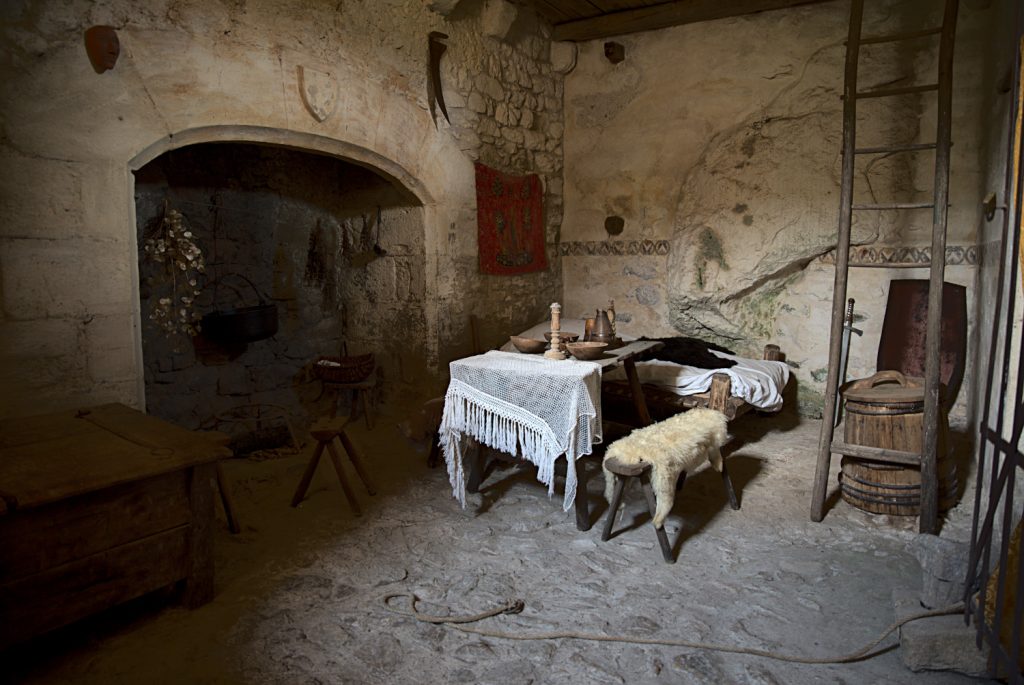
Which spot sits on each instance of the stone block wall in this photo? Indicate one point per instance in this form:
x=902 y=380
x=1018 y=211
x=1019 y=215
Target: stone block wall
x=194 y=71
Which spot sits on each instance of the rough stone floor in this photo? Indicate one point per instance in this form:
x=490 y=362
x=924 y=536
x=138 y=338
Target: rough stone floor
x=299 y=590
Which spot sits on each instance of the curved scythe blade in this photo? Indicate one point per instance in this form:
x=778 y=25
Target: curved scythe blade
x=437 y=48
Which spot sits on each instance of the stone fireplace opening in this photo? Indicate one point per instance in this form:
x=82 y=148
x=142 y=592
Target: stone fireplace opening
x=336 y=248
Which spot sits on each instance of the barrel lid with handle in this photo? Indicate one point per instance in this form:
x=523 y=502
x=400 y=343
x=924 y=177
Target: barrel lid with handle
x=885 y=387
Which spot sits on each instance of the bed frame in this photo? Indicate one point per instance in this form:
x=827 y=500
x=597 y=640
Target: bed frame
x=617 y=399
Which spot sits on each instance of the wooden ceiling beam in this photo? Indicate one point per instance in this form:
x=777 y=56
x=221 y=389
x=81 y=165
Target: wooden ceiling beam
x=666 y=14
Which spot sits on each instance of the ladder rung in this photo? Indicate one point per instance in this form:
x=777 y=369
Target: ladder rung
x=886 y=92
x=897 y=205
x=889 y=38
x=894 y=148
x=876 y=453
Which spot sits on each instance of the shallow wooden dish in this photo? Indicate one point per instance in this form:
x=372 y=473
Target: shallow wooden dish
x=527 y=345
x=586 y=351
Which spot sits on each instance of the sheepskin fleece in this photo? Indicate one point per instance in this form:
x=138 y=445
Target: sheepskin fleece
x=680 y=443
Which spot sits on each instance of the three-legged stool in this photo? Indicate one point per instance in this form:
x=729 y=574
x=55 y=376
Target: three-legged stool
x=324 y=431
x=622 y=472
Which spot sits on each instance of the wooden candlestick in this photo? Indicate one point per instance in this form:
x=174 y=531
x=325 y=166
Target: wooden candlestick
x=556 y=324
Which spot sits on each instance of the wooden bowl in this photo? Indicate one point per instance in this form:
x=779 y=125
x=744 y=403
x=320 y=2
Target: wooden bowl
x=527 y=345
x=564 y=336
x=586 y=351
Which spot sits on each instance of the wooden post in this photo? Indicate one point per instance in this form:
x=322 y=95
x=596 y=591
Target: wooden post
x=820 y=487
x=721 y=387
x=929 y=521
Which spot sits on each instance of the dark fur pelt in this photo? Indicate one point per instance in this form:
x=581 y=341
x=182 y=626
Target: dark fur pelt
x=692 y=352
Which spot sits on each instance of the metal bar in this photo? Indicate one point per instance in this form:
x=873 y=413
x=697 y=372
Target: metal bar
x=876 y=453
x=994 y=446
x=976 y=557
x=898 y=205
x=820 y=488
x=909 y=147
x=1018 y=614
x=908 y=35
x=929 y=521
x=1003 y=445
x=1004 y=555
x=888 y=92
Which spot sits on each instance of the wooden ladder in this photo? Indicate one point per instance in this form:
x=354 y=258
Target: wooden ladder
x=827 y=446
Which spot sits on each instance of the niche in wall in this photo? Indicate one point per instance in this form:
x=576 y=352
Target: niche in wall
x=336 y=247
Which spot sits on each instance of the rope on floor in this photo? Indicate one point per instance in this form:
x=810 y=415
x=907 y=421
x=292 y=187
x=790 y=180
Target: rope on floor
x=516 y=606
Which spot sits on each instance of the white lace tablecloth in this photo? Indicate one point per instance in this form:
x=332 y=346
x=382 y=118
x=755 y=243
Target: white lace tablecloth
x=522 y=404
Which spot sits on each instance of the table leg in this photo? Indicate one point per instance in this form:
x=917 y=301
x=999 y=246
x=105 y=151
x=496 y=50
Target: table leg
x=227 y=499
x=475 y=456
x=637 y=391
x=581 y=502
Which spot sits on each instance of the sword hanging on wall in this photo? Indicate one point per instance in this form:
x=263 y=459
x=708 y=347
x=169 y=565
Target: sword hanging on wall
x=845 y=353
x=435 y=94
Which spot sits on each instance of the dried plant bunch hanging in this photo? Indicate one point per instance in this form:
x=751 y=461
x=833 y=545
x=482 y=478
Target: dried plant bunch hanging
x=173 y=245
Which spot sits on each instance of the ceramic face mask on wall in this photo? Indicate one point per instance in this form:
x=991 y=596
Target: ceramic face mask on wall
x=103 y=47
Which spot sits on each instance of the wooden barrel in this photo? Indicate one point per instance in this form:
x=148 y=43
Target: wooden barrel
x=887 y=410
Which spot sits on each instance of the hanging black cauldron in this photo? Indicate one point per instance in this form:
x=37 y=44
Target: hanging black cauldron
x=241 y=324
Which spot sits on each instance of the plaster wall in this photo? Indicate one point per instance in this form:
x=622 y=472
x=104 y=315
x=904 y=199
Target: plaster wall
x=195 y=71
x=719 y=145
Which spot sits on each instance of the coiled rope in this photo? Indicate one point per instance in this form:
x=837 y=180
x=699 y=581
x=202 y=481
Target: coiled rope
x=515 y=606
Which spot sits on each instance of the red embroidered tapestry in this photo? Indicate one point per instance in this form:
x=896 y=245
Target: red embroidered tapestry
x=510 y=222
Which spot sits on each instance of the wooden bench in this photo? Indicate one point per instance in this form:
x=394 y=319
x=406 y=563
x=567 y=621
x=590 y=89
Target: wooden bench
x=617 y=397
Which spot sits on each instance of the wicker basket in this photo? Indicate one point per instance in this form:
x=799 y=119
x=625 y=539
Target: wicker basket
x=348 y=370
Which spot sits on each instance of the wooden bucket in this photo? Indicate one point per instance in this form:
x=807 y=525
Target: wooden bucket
x=887 y=410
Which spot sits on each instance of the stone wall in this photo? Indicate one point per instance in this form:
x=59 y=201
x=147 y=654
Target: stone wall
x=719 y=143
x=305 y=230
x=196 y=71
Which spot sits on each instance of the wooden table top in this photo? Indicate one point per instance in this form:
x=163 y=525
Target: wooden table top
x=47 y=458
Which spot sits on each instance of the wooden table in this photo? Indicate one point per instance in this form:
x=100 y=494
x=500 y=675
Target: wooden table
x=100 y=506
x=626 y=356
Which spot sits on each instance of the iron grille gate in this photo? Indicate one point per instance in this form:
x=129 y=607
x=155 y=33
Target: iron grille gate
x=994 y=595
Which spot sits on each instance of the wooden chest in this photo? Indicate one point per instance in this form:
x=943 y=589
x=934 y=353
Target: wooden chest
x=100 y=506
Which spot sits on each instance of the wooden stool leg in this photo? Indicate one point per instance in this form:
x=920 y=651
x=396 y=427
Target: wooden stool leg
x=733 y=502
x=613 y=508
x=581 y=503
x=363 y=394
x=227 y=500
x=300 y=492
x=357 y=462
x=353 y=410
x=666 y=548
x=336 y=460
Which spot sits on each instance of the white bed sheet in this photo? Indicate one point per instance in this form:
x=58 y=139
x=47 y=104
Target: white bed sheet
x=756 y=381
